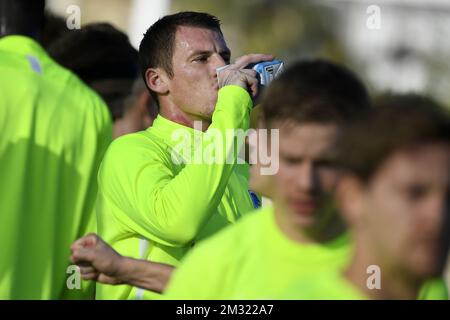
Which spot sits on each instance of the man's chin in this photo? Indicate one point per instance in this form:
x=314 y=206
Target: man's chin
x=303 y=213
x=303 y=220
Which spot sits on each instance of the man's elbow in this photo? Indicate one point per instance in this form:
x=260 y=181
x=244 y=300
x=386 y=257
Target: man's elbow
x=181 y=234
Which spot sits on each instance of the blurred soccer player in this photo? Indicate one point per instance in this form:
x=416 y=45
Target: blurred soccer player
x=54 y=131
x=393 y=195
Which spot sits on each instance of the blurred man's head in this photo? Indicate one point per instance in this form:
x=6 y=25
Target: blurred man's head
x=179 y=55
x=396 y=183
x=103 y=58
x=308 y=103
x=21 y=17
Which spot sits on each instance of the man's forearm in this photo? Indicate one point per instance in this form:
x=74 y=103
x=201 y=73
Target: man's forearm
x=144 y=274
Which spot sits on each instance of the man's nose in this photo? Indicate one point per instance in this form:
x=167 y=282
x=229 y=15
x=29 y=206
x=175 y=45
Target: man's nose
x=434 y=211
x=305 y=177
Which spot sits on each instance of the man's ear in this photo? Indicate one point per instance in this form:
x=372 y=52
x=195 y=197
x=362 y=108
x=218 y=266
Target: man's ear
x=156 y=80
x=350 y=198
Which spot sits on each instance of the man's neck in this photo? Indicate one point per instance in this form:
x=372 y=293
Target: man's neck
x=394 y=283
x=333 y=228
x=175 y=114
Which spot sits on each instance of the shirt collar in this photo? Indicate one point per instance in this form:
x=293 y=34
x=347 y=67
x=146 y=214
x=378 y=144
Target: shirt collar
x=165 y=129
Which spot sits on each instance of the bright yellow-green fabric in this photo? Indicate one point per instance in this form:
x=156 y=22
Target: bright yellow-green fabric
x=152 y=208
x=53 y=133
x=254 y=260
x=333 y=286
x=435 y=289
x=251 y=260
x=328 y=285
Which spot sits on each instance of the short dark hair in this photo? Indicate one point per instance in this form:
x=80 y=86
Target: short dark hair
x=315 y=91
x=157 y=46
x=96 y=51
x=397 y=122
x=99 y=52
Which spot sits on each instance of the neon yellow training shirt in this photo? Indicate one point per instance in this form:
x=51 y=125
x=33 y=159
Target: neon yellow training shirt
x=151 y=207
x=54 y=131
x=253 y=259
x=328 y=285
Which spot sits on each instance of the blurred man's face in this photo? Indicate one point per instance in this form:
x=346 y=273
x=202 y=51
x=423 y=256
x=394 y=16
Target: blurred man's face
x=197 y=54
x=403 y=209
x=305 y=182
